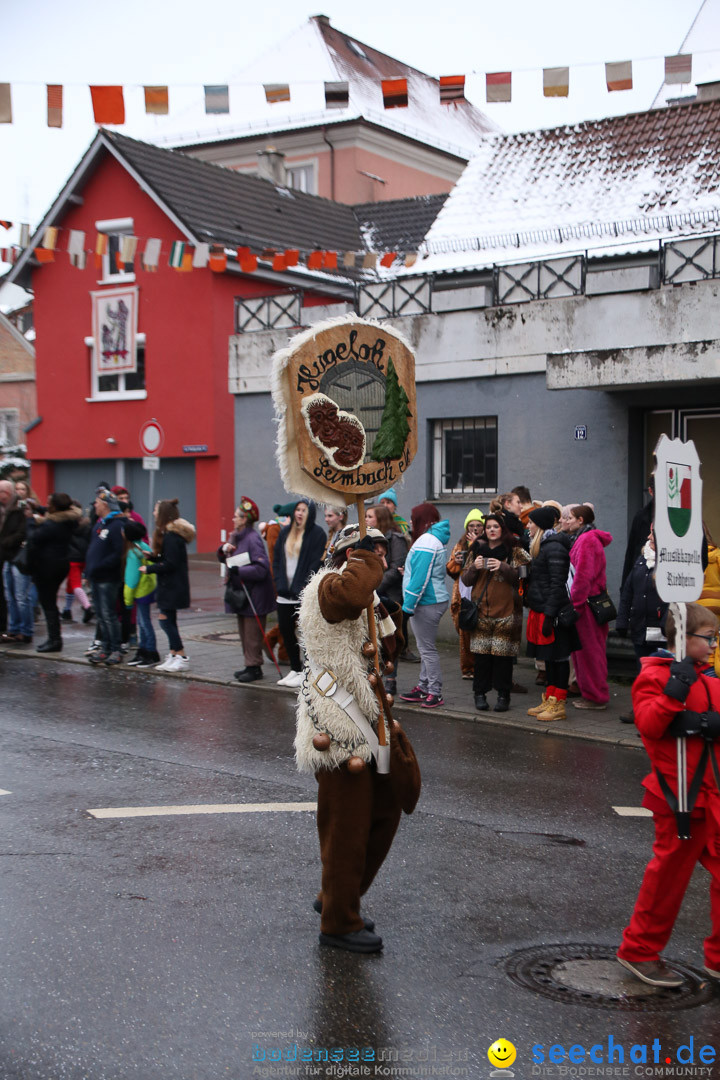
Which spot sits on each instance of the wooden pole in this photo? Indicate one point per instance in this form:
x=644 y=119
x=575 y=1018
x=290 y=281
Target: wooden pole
x=372 y=631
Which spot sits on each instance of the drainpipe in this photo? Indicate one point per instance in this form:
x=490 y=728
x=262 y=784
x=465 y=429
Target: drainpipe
x=332 y=163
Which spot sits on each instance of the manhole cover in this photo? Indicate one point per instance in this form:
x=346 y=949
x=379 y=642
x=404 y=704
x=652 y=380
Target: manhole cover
x=590 y=975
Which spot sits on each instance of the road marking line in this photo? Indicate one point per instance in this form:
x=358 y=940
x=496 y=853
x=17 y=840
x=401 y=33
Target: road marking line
x=632 y=811
x=202 y=808
x=5 y=792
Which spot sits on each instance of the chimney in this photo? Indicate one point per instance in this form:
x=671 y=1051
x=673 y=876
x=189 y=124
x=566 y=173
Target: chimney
x=271 y=166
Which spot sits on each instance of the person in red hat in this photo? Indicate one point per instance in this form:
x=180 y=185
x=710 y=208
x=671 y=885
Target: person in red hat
x=249 y=577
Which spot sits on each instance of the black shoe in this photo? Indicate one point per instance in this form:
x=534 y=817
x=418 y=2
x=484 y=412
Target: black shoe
x=503 y=703
x=88 y=615
x=51 y=645
x=369 y=924
x=249 y=674
x=137 y=659
x=149 y=659
x=67 y=616
x=516 y=688
x=481 y=703
x=629 y=719
x=361 y=941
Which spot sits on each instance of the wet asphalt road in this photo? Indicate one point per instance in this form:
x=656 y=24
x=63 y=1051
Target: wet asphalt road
x=173 y=947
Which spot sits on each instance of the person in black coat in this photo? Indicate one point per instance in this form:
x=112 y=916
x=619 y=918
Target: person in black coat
x=547 y=597
x=169 y=561
x=48 y=547
x=12 y=534
x=297 y=555
x=641 y=612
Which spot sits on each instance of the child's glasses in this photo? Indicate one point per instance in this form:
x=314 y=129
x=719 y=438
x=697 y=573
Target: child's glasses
x=710 y=638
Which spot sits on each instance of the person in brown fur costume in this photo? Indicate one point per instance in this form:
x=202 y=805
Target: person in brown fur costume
x=358 y=808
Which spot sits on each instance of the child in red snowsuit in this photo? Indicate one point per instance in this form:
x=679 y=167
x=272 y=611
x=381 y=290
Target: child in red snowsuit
x=673 y=698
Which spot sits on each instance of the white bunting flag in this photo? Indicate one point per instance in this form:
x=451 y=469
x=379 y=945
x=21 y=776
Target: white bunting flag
x=201 y=256
x=151 y=255
x=76 y=242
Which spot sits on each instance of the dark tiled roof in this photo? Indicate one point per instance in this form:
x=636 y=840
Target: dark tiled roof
x=227 y=207
x=398 y=224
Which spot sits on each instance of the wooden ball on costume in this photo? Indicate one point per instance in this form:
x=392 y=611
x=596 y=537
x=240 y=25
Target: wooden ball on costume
x=389 y=667
x=355 y=764
x=368 y=649
x=390 y=698
x=373 y=679
x=321 y=741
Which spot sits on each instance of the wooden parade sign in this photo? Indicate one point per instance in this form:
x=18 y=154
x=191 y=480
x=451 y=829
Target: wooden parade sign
x=678 y=521
x=344 y=393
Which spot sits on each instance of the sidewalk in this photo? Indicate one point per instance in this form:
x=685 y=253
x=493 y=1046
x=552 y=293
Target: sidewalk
x=211 y=641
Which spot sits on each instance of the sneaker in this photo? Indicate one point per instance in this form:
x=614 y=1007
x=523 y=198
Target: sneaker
x=293 y=679
x=653 y=972
x=179 y=663
x=711 y=972
x=361 y=941
x=125 y=648
x=410 y=657
x=113 y=658
x=432 y=701
x=97 y=656
x=165 y=665
x=137 y=659
x=416 y=694
x=94 y=647
x=148 y=660
x=584 y=703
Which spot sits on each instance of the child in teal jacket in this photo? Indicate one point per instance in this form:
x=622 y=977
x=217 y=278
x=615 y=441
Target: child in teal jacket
x=139 y=589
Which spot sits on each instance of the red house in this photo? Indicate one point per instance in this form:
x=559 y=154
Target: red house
x=159 y=350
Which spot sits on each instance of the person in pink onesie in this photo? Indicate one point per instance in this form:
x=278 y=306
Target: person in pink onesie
x=589 y=577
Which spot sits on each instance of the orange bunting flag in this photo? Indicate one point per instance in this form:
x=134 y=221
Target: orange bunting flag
x=619 y=76
x=388 y=258
x=157 y=100
x=100 y=249
x=556 y=82
x=329 y=261
x=314 y=260
x=279 y=262
x=275 y=92
x=119 y=263
x=292 y=257
x=678 y=69
x=395 y=93
x=186 y=264
x=5 y=103
x=452 y=89
x=218 y=260
x=108 y=104
x=6 y=224
x=248 y=263
x=498 y=86
x=242 y=253
x=54 y=106
x=44 y=255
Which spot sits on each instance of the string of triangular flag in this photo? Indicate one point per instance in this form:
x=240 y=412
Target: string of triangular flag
x=108 y=102
x=186 y=257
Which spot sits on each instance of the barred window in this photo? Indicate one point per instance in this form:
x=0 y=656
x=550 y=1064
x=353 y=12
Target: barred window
x=465 y=456
x=9 y=427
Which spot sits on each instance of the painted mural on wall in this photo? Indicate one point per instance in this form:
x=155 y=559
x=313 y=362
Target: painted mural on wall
x=344 y=394
x=115 y=330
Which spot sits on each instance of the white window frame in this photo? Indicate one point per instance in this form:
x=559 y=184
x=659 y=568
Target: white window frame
x=10 y=416
x=310 y=167
x=121 y=394
x=440 y=491
x=115 y=227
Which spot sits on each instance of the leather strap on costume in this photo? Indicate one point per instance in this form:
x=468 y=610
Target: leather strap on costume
x=683 y=818
x=326 y=684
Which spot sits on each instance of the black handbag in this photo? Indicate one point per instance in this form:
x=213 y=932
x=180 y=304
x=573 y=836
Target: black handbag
x=20 y=560
x=567 y=616
x=236 y=596
x=468 y=615
x=602 y=607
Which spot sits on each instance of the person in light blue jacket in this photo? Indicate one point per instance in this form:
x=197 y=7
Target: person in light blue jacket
x=426 y=599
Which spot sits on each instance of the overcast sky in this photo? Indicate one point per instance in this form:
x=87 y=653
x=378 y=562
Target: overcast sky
x=185 y=44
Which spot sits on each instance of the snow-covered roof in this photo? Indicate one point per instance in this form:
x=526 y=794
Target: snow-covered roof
x=623 y=180
x=316 y=53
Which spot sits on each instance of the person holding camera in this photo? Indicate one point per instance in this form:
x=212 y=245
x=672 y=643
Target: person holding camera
x=251 y=583
x=492 y=572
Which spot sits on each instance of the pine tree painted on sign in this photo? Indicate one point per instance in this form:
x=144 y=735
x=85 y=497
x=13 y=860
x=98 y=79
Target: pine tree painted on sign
x=394 y=428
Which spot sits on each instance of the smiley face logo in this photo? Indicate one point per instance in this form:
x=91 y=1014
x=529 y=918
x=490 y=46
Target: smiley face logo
x=502 y=1054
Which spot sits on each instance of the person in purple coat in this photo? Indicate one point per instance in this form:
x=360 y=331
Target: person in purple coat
x=254 y=574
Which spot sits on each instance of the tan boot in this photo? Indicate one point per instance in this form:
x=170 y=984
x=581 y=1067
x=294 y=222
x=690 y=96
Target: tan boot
x=555 y=711
x=539 y=708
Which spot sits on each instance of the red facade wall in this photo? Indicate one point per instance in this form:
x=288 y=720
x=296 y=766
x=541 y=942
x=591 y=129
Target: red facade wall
x=187 y=319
